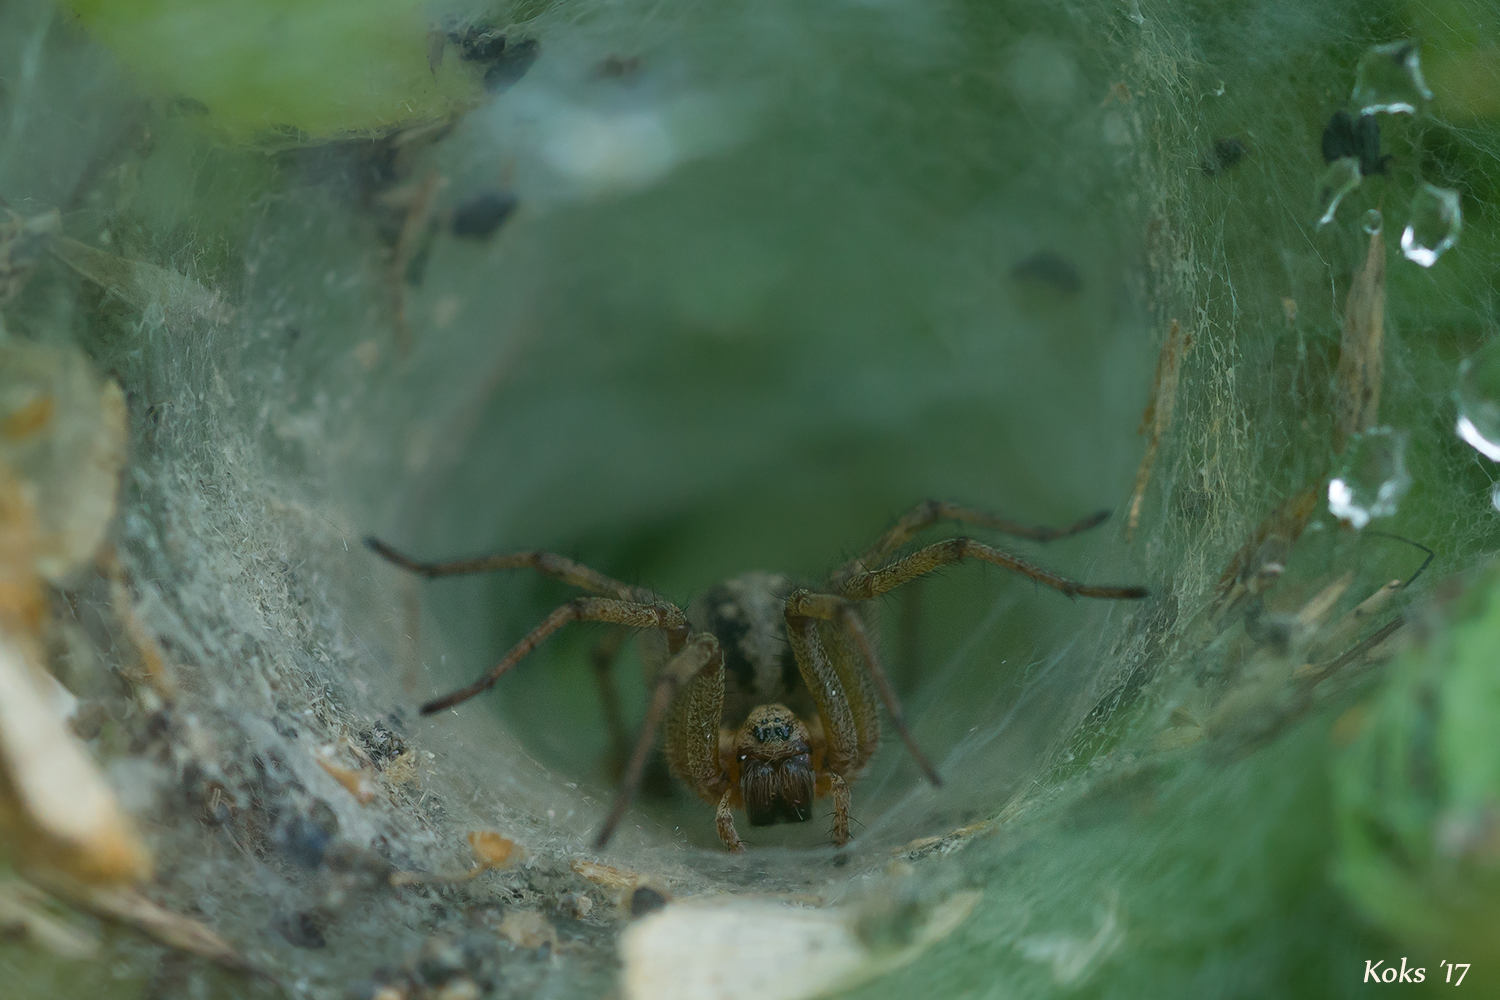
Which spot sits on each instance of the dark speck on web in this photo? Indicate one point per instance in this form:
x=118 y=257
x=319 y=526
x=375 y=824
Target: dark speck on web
x=1050 y=268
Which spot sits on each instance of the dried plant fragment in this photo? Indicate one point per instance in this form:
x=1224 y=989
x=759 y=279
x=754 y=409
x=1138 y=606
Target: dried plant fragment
x=1157 y=416
x=177 y=299
x=59 y=473
x=1344 y=630
x=1262 y=559
x=1257 y=565
x=528 y=929
x=22 y=916
x=22 y=241
x=492 y=850
x=128 y=907
x=70 y=818
x=63 y=433
x=1361 y=357
x=607 y=876
x=357 y=783
x=948 y=843
x=153 y=661
x=416 y=201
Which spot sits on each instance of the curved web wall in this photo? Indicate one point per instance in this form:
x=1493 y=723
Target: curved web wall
x=684 y=293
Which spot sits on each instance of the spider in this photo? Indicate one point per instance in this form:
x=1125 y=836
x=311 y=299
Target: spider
x=767 y=689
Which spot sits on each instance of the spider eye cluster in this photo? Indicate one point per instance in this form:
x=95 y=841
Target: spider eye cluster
x=778 y=732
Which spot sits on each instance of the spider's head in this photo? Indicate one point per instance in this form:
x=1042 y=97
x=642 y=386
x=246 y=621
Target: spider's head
x=776 y=772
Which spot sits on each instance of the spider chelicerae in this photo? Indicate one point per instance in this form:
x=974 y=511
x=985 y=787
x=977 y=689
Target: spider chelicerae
x=767 y=689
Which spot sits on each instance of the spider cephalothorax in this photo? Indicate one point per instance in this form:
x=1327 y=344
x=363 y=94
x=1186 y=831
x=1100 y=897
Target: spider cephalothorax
x=774 y=757
x=767 y=690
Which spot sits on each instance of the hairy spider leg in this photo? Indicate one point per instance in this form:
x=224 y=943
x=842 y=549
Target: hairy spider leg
x=831 y=607
x=872 y=583
x=840 y=692
x=699 y=668
x=546 y=563
x=667 y=617
x=804 y=609
x=633 y=607
x=840 y=791
x=929 y=512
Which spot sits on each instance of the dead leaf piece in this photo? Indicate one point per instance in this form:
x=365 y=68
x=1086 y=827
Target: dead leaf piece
x=22 y=240
x=134 y=910
x=1361 y=357
x=71 y=819
x=1263 y=556
x=607 y=876
x=22 y=599
x=1257 y=565
x=28 y=418
x=177 y=299
x=490 y=849
x=21 y=915
x=528 y=929
x=1157 y=416
x=419 y=204
x=357 y=783
x=153 y=660
x=62 y=433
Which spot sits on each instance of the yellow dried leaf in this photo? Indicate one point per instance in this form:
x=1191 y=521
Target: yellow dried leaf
x=1361 y=352
x=357 y=783
x=1157 y=416
x=21 y=915
x=129 y=907
x=68 y=815
x=528 y=929
x=490 y=849
x=69 y=463
x=607 y=876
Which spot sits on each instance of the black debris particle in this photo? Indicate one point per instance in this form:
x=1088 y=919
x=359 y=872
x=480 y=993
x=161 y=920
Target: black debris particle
x=440 y=961
x=505 y=61
x=645 y=900
x=480 y=216
x=477 y=43
x=305 y=930
x=1343 y=136
x=305 y=837
x=1222 y=156
x=380 y=744
x=1048 y=267
x=512 y=64
x=614 y=67
x=186 y=107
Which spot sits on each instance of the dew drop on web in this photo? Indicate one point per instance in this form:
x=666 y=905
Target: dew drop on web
x=1433 y=224
x=1479 y=400
x=1389 y=79
x=1341 y=177
x=1372 y=479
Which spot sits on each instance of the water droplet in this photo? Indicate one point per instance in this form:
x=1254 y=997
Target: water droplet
x=1373 y=478
x=1479 y=400
x=1373 y=221
x=1389 y=79
x=1341 y=177
x=1433 y=225
x=1495 y=496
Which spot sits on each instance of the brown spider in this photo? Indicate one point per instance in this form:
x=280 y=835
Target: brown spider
x=793 y=654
